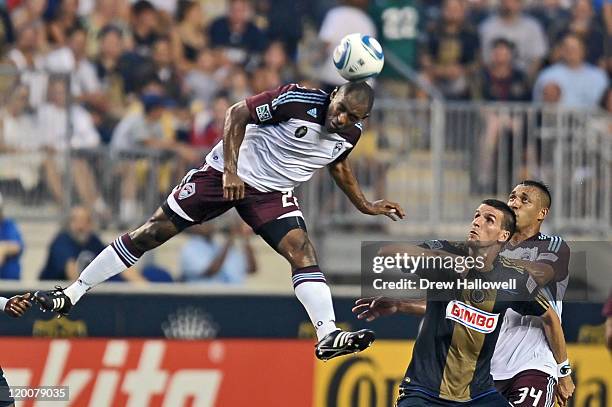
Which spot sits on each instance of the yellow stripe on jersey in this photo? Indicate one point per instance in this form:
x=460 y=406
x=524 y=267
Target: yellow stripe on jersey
x=542 y=301
x=508 y=263
x=463 y=352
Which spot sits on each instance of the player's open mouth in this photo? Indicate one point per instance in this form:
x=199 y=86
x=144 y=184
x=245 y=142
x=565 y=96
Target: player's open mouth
x=473 y=233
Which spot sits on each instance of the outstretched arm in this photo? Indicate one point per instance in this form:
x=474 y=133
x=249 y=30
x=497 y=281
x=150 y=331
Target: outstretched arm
x=236 y=120
x=15 y=306
x=556 y=341
x=542 y=273
x=343 y=176
x=372 y=308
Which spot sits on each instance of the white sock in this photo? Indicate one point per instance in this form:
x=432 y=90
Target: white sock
x=103 y=267
x=316 y=298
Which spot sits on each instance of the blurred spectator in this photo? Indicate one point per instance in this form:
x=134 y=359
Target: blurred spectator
x=111 y=68
x=138 y=131
x=237 y=85
x=202 y=81
x=59 y=137
x=144 y=25
x=28 y=12
x=208 y=127
x=347 y=18
x=551 y=93
x=7 y=35
x=52 y=118
x=20 y=141
x=237 y=35
x=549 y=13
x=451 y=54
x=202 y=259
x=161 y=68
x=65 y=21
x=74 y=247
x=607 y=313
x=500 y=80
x=478 y=11
x=264 y=78
x=107 y=13
x=11 y=247
x=581 y=83
x=72 y=59
x=523 y=31
x=399 y=23
x=275 y=59
x=189 y=33
x=26 y=56
x=585 y=26
x=286 y=21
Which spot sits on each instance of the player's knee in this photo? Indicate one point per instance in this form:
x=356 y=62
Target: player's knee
x=297 y=249
x=150 y=235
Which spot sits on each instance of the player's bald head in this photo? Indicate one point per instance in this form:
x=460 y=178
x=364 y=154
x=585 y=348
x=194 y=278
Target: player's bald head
x=541 y=190
x=358 y=92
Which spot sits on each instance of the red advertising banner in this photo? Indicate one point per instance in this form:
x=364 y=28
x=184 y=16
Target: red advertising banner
x=219 y=373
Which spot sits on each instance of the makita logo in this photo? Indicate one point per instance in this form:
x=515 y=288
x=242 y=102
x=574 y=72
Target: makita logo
x=472 y=317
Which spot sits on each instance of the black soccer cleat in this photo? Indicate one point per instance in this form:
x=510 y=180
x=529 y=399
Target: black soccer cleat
x=340 y=343
x=54 y=300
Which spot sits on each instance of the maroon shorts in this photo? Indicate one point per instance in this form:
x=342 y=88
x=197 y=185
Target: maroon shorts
x=199 y=198
x=530 y=388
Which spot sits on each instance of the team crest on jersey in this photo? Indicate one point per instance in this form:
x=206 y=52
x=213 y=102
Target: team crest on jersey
x=471 y=317
x=187 y=190
x=263 y=112
x=337 y=148
x=301 y=131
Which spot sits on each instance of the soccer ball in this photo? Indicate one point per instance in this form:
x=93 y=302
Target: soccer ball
x=358 y=57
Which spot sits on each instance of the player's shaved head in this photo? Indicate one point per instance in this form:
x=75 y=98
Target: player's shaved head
x=543 y=192
x=349 y=104
x=361 y=92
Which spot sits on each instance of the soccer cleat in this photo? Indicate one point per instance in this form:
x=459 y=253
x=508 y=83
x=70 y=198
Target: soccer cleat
x=340 y=343
x=54 y=300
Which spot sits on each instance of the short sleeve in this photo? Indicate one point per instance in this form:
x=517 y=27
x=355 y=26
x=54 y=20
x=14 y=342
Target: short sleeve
x=286 y=102
x=263 y=107
x=557 y=255
x=12 y=234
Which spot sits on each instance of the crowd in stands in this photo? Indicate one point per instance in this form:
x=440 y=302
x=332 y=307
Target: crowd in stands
x=156 y=77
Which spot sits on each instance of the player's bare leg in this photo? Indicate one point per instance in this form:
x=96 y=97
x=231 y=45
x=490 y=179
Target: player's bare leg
x=314 y=294
x=121 y=254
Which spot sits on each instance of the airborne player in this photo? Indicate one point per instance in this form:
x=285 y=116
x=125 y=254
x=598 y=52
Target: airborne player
x=272 y=142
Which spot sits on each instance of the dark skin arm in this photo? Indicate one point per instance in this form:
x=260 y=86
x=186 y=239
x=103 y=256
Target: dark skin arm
x=372 y=308
x=18 y=305
x=542 y=273
x=236 y=120
x=343 y=176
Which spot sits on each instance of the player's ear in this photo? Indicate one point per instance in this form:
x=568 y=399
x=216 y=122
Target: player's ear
x=504 y=236
x=543 y=213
